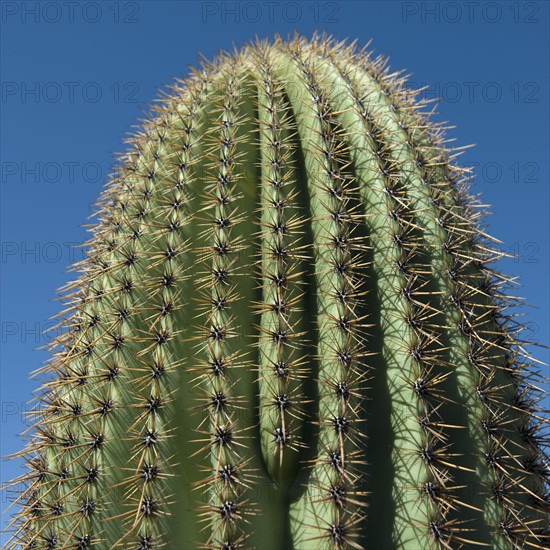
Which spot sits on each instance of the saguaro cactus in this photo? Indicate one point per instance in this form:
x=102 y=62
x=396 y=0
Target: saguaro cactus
x=287 y=333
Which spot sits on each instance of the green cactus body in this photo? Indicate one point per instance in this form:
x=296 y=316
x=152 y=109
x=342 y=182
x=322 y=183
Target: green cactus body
x=286 y=333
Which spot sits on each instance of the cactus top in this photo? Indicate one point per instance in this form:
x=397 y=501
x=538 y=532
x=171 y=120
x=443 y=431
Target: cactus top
x=286 y=332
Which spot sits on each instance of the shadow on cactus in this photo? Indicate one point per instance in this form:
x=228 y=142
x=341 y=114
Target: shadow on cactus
x=287 y=333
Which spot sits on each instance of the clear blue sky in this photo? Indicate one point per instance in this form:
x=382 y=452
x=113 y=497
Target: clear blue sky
x=76 y=77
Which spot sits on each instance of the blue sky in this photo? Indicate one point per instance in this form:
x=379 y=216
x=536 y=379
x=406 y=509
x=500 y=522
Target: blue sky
x=77 y=76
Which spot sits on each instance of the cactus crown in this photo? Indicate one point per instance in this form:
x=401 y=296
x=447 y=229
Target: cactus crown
x=286 y=332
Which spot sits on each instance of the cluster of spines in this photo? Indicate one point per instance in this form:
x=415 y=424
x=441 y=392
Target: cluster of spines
x=512 y=448
x=117 y=339
x=280 y=339
x=460 y=257
x=165 y=173
x=168 y=176
x=224 y=487
x=421 y=315
x=335 y=500
x=400 y=247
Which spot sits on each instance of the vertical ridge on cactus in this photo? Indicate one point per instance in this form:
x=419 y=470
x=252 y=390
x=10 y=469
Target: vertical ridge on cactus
x=287 y=332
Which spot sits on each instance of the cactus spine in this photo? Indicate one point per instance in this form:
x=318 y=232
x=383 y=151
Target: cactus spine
x=287 y=333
